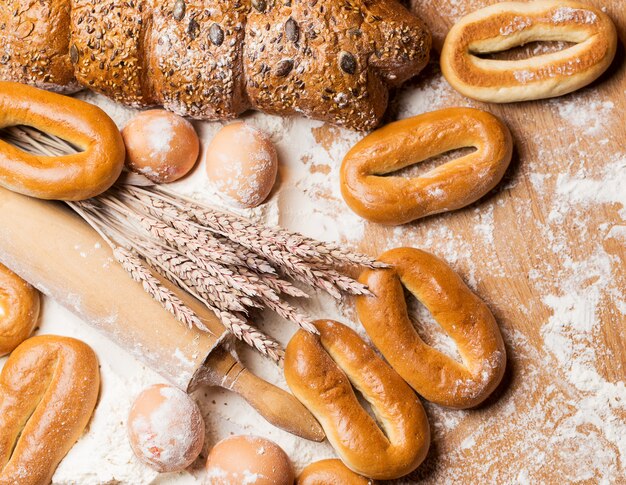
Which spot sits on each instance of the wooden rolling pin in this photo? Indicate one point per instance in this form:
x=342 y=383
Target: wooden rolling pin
x=52 y=248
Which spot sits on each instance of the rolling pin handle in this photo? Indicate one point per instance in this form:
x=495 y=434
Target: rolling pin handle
x=277 y=406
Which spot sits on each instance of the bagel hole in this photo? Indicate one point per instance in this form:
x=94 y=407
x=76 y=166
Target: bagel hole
x=3 y=309
x=365 y=404
x=429 y=329
x=36 y=142
x=526 y=51
x=18 y=437
x=420 y=168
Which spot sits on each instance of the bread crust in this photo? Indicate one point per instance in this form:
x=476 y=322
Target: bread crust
x=321 y=373
x=509 y=24
x=71 y=177
x=19 y=310
x=48 y=390
x=199 y=49
x=463 y=316
x=214 y=59
x=330 y=472
x=338 y=65
x=35 y=37
x=387 y=199
x=107 y=49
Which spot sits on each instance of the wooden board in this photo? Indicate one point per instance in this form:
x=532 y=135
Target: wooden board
x=546 y=252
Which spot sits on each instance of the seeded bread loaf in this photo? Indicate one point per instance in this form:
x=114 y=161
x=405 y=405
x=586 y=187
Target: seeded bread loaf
x=35 y=37
x=214 y=59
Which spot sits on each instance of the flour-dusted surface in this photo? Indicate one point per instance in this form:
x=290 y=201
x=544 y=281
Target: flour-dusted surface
x=545 y=250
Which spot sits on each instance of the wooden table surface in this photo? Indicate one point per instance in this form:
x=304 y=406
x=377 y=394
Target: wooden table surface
x=546 y=252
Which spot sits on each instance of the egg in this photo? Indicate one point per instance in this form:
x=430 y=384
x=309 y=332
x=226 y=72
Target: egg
x=165 y=428
x=160 y=145
x=248 y=459
x=241 y=163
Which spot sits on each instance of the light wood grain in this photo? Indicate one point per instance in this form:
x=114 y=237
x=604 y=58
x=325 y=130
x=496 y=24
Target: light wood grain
x=528 y=249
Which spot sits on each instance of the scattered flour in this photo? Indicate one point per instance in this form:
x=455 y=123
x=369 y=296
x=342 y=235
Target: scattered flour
x=563 y=413
x=517 y=25
x=160 y=135
x=104 y=455
x=568 y=14
x=590 y=119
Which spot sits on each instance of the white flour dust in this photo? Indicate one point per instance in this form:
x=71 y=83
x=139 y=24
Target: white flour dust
x=561 y=212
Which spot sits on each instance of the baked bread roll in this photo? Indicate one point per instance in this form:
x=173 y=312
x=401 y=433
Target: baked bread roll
x=71 y=177
x=214 y=59
x=463 y=316
x=48 y=390
x=507 y=25
x=19 y=310
x=371 y=192
x=321 y=372
x=330 y=472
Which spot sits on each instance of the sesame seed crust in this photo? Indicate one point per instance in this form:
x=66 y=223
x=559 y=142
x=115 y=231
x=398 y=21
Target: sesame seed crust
x=106 y=47
x=34 y=35
x=213 y=59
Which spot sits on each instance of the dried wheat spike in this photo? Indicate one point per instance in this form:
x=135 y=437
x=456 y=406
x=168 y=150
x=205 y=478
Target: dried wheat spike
x=135 y=267
x=252 y=336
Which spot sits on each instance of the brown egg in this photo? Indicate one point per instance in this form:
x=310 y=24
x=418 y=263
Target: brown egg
x=250 y=460
x=160 y=145
x=331 y=472
x=241 y=163
x=165 y=428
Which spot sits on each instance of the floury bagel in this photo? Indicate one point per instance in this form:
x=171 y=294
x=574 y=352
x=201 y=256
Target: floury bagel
x=464 y=317
x=19 y=310
x=370 y=188
x=507 y=25
x=48 y=391
x=330 y=472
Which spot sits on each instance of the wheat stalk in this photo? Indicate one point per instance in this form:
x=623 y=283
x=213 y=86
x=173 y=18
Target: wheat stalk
x=232 y=265
x=246 y=234
x=139 y=272
x=183 y=223
x=301 y=246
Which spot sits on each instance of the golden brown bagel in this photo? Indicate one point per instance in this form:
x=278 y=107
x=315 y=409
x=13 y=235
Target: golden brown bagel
x=463 y=316
x=321 y=372
x=48 y=390
x=506 y=25
x=389 y=199
x=70 y=177
x=330 y=472
x=19 y=310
